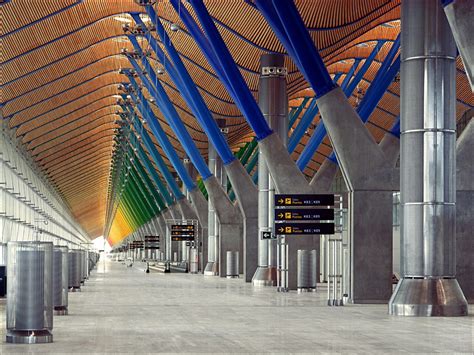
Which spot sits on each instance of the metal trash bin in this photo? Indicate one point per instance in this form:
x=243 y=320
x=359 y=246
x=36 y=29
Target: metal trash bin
x=306 y=270
x=232 y=264
x=30 y=298
x=193 y=261
x=60 y=279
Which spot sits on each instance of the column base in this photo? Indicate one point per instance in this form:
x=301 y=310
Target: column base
x=60 y=311
x=29 y=337
x=434 y=297
x=211 y=269
x=265 y=276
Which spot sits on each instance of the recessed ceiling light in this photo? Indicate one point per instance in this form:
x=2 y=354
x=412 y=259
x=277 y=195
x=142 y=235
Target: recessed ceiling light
x=123 y=19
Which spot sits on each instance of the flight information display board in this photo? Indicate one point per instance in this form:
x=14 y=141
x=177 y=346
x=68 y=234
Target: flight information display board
x=182 y=232
x=152 y=242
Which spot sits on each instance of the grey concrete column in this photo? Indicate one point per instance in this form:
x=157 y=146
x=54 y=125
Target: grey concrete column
x=322 y=180
x=427 y=174
x=273 y=101
x=199 y=204
x=371 y=185
x=247 y=199
x=324 y=177
x=390 y=146
x=230 y=220
x=464 y=211
x=460 y=14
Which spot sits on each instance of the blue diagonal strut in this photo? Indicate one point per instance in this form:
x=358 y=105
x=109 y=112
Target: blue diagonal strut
x=187 y=87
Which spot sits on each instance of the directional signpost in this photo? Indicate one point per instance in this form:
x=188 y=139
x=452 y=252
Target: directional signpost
x=304 y=228
x=266 y=235
x=304 y=214
x=304 y=200
x=299 y=215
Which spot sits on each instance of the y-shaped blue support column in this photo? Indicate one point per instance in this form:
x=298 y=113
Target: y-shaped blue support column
x=370 y=183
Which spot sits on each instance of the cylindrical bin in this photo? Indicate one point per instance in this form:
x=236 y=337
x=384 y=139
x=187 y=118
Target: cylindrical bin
x=30 y=298
x=232 y=267
x=60 y=279
x=74 y=270
x=193 y=261
x=175 y=256
x=306 y=270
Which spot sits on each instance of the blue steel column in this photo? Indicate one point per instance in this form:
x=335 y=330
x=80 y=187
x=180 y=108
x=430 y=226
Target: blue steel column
x=245 y=190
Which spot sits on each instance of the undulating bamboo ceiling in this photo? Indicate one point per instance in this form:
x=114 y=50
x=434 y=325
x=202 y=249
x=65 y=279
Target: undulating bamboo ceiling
x=59 y=78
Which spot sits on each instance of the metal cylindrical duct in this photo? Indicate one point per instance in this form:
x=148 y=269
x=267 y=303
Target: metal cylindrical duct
x=273 y=101
x=216 y=166
x=30 y=297
x=57 y=276
x=193 y=261
x=306 y=270
x=427 y=181
x=232 y=269
x=60 y=279
x=74 y=270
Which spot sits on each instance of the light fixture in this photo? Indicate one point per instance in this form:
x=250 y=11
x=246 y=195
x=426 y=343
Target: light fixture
x=124 y=19
x=174 y=27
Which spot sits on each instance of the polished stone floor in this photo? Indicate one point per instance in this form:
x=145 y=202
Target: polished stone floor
x=124 y=310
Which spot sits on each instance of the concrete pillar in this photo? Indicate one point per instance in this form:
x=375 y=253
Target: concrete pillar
x=427 y=173
x=464 y=211
x=230 y=220
x=370 y=199
x=460 y=14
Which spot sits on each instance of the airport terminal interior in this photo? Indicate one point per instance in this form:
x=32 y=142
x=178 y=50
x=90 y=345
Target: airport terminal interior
x=236 y=176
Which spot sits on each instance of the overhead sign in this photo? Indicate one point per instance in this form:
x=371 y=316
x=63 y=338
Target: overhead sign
x=182 y=232
x=267 y=235
x=152 y=242
x=304 y=228
x=304 y=200
x=302 y=214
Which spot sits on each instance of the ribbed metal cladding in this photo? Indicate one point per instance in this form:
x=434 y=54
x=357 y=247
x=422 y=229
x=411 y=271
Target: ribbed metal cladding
x=61 y=276
x=30 y=301
x=57 y=276
x=232 y=268
x=306 y=266
x=428 y=141
x=193 y=261
x=75 y=268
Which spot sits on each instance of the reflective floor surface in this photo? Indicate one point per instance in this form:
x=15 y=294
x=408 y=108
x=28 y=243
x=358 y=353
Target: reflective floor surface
x=125 y=310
